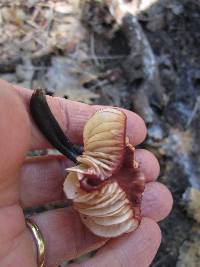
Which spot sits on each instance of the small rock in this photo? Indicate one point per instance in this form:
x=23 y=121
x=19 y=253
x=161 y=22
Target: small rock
x=156 y=132
x=64 y=8
x=177 y=8
x=142 y=107
x=157 y=23
x=192 y=196
x=189 y=255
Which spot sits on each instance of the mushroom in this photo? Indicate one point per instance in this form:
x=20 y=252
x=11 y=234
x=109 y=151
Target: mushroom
x=108 y=201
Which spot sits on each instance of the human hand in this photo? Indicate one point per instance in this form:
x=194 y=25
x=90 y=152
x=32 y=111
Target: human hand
x=28 y=183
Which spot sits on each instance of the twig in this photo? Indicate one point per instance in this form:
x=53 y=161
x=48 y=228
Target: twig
x=92 y=47
x=140 y=66
x=106 y=57
x=99 y=84
x=194 y=112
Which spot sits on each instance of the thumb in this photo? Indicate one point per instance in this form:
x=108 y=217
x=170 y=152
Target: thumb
x=14 y=142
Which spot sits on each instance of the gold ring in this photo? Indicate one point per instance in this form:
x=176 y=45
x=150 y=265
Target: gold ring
x=39 y=241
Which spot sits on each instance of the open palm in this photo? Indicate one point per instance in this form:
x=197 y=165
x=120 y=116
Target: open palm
x=39 y=181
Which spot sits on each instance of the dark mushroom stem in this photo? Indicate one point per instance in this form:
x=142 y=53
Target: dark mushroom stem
x=48 y=125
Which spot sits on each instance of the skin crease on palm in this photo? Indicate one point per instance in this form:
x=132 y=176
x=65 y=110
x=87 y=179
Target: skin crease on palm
x=32 y=182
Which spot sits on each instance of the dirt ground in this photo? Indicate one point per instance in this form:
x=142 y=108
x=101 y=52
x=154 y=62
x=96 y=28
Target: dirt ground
x=148 y=63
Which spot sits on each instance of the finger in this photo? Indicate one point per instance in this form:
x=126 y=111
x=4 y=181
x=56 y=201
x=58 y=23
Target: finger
x=42 y=179
x=135 y=249
x=14 y=142
x=16 y=246
x=157 y=201
x=72 y=117
x=65 y=236
x=148 y=164
x=61 y=225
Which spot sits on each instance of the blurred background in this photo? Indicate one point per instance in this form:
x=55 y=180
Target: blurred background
x=149 y=64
